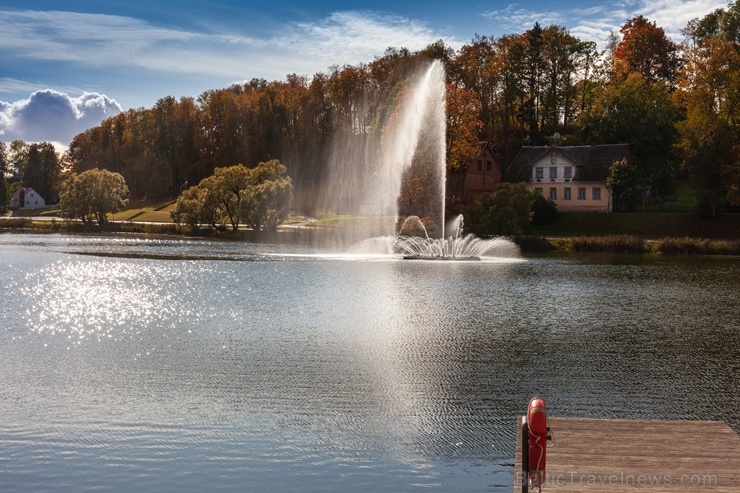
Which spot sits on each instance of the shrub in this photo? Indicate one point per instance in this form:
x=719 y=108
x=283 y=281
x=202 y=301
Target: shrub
x=544 y=211
x=611 y=243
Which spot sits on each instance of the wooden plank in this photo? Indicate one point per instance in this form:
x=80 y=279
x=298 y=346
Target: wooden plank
x=612 y=455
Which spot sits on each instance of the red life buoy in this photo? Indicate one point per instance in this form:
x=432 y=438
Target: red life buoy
x=537 y=424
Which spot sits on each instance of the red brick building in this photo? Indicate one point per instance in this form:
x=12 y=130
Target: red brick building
x=465 y=185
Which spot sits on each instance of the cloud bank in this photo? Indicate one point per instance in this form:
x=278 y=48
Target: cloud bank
x=95 y=41
x=53 y=116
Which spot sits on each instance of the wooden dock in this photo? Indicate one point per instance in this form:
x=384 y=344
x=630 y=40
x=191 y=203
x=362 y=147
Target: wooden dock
x=613 y=455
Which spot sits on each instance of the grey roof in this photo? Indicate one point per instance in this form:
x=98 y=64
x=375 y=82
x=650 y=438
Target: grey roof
x=592 y=162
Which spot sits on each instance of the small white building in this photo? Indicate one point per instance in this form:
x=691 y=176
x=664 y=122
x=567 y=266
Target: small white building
x=26 y=198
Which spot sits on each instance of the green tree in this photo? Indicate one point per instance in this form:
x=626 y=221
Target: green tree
x=505 y=211
x=42 y=170
x=264 y=202
x=641 y=114
x=223 y=192
x=622 y=183
x=258 y=196
x=17 y=155
x=93 y=194
x=723 y=24
x=192 y=208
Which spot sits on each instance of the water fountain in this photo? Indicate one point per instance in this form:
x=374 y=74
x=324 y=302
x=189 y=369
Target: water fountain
x=413 y=143
x=456 y=246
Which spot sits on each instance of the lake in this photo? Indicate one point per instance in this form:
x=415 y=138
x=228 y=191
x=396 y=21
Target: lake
x=135 y=364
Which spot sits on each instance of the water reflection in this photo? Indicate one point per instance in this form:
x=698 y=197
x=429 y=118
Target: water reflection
x=301 y=371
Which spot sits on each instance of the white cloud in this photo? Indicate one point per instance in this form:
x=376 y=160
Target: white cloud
x=673 y=15
x=108 y=41
x=53 y=116
x=358 y=36
x=596 y=22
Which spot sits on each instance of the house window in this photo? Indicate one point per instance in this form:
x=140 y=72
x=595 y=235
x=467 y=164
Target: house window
x=568 y=172
x=596 y=195
x=479 y=165
x=566 y=193
x=538 y=190
x=553 y=193
x=539 y=173
x=553 y=172
x=489 y=165
x=581 y=193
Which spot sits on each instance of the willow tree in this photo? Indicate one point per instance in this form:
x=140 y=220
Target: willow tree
x=257 y=196
x=93 y=194
x=265 y=200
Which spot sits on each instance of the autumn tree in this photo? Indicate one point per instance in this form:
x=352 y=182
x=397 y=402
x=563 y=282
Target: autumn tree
x=475 y=70
x=509 y=125
x=463 y=127
x=93 y=194
x=645 y=49
x=709 y=144
x=567 y=61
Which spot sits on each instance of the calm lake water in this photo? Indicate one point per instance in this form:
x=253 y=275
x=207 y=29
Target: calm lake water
x=179 y=365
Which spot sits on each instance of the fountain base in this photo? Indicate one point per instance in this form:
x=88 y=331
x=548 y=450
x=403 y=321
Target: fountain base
x=439 y=257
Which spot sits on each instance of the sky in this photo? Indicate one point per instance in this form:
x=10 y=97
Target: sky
x=65 y=66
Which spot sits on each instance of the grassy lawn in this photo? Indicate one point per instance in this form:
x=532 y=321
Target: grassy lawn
x=153 y=212
x=683 y=200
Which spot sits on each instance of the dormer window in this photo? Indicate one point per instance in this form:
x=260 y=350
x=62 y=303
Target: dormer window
x=568 y=172
x=553 y=172
x=539 y=173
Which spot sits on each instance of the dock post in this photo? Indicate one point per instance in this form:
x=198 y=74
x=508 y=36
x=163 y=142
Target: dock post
x=525 y=455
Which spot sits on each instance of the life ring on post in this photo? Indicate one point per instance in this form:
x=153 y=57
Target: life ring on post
x=537 y=441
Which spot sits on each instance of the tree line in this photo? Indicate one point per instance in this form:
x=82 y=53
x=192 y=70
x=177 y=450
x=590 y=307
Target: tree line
x=676 y=105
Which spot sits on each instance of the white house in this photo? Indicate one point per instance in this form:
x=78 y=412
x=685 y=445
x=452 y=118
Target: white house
x=572 y=177
x=26 y=198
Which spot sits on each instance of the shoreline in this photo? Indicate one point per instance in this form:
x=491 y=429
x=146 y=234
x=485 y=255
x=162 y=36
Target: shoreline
x=608 y=243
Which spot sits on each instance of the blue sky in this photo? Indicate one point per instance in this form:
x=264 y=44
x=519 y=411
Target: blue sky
x=66 y=65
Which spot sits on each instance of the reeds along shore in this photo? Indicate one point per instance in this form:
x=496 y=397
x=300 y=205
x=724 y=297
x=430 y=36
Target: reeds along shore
x=630 y=244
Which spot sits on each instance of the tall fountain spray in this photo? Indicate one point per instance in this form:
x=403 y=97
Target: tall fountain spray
x=371 y=159
x=414 y=142
x=400 y=172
